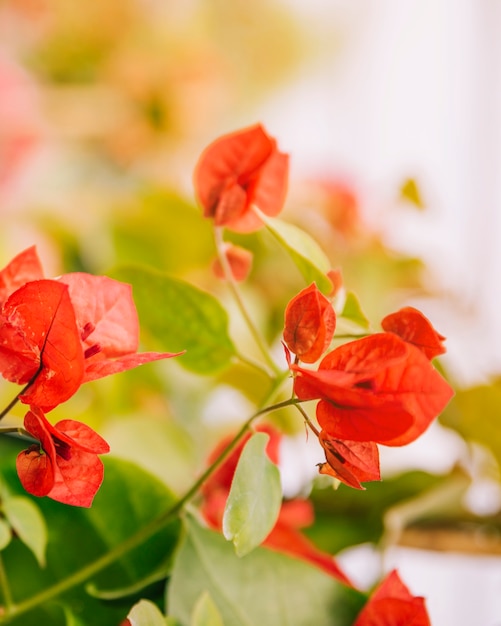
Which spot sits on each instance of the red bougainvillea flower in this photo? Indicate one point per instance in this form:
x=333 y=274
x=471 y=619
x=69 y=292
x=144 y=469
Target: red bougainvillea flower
x=295 y=514
x=40 y=343
x=392 y=604
x=65 y=465
x=310 y=322
x=378 y=388
x=239 y=260
x=108 y=325
x=351 y=462
x=237 y=171
x=412 y=326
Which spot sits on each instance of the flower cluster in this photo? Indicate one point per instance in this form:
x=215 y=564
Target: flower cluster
x=56 y=335
x=377 y=389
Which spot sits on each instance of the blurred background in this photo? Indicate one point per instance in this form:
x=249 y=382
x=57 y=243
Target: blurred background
x=391 y=114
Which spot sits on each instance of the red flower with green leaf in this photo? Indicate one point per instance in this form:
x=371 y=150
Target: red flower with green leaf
x=294 y=514
x=392 y=604
x=64 y=465
x=237 y=171
x=57 y=334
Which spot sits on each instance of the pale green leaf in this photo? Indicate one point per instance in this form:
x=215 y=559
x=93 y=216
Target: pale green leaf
x=27 y=521
x=175 y=316
x=5 y=533
x=263 y=588
x=255 y=497
x=145 y=613
x=353 y=311
x=205 y=612
x=307 y=255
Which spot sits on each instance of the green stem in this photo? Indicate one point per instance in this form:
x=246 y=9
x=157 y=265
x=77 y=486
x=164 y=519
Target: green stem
x=307 y=420
x=5 y=587
x=218 y=236
x=155 y=525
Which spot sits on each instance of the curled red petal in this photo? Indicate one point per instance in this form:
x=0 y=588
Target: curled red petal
x=310 y=322
x=23 y=268
x=412 y=326
x=36 y=471
x=77 y=479
x=351 y=462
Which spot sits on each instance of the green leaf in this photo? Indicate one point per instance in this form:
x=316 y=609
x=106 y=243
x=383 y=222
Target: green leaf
x=205 y=612
x=175 y=316
x=255 y=497
x=5 y=533
x=145 y=613
x=353 y=311
x=262 y=588
x=309 y=258
x=28 y=523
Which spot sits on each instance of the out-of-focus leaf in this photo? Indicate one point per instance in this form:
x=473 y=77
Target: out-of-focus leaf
x=255 y=497
x=264 y=587
x=178 y=316
x=410 y=191
x=205 y=612
x=474 y=414
x=353 y=311
x=26 y=520
x=309 y=258
x=145 y=613
x=5 y=534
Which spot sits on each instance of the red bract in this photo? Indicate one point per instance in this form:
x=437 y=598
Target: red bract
x=310 y=322
x=40 y=343
x=412 y=326
x=391 y=604
x=294 y=514
x=237 y=171
x=378 y=388
x=351 y=462
x=239 y=260
x=65 y=466
x=23 y=268
x=108 y=325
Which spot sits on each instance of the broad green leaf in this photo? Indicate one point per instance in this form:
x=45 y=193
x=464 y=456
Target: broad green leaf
x=255 y=497
x=145 y=613
x=309 y=258
x=5 y=533
x=262 y=588
x=205 y=612
x=175 y=316
x=353 y=311
x=128 y=499
x=27 y=521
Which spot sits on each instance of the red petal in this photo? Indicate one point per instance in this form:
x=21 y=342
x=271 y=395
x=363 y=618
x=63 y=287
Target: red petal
x=390 y=394
x=82 y=436
x=310 y=322
x=392 y=605
x=78 y=479
x=100 y=368
x=351 y=462
x=42 y=316
x=35 y=471
x=24 y=268
x=283 y=538
x=105 y=312
x=240 y=262
x=412 y=326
